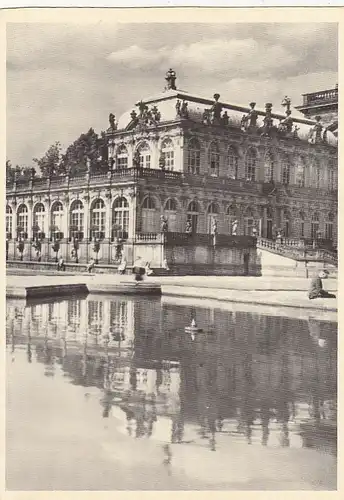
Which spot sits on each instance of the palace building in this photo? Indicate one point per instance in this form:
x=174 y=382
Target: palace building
x=188 y=180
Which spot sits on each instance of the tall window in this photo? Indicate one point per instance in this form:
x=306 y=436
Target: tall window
x=213 y=212
x=120 y=217
x=233 y=162
x=300 y=173
x=23 y=220
x=167 y=151
x=150 y=216
x=98 y=219
x=145 y=155
x=122 y=157
x=302 y=224
x=38 y=219
x=331 y=176
x=214 y=159
x=315 y=226
x=269 y=164
x=329 y=226
x=286 y=220
x=317 y=174
x=76 y=218
x=171 y=214
x=285 y=169
x=9 y=222
x=231 y=216
x=57 y=214
x=250 y=165
x=248 y=222
x=192 y=215
x=194 y=156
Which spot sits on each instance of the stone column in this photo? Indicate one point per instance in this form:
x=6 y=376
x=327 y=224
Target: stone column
x=108 y=221
x=65 y=218
x=30 y=218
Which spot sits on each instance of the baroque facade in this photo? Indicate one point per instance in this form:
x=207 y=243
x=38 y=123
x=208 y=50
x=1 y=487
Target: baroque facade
x=179 y=163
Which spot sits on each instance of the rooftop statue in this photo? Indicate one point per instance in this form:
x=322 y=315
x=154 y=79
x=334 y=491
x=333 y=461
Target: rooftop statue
x=184 y=112
x=315 y=133
x=268 y=126
x=216 y=110
x=171 y=80
x=225 y=119
x=286 y=124
x=250 y=120
x=112 y=121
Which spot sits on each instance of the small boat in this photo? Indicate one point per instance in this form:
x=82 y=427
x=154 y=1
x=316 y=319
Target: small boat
x=193 y=328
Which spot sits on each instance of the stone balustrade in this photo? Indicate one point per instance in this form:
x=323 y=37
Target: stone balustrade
x=299 y=251
x=330 y=95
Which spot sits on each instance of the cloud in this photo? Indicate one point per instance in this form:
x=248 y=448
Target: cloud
x=238 y=57
x=64 y=79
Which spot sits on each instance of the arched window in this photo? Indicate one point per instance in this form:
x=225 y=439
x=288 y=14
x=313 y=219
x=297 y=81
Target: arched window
x=192 y=215
x=302 y=224
x=232 y=162
x=122 y=157
x=38 y=220
x=98 y=212
x=150 y=216
x=300 y=173
x=120 y=218
x=145 y=155
x=57 y=214
x=329 y=226
x=315 y=226
x=76 y=227
x=214 y=159
x=212 y=215
x=269 y=167
x=9 y=222
x=248 y=222
x=250 y=165
x=167 y=152
x=171 y=214
x=231 y=216
x=194 y=156
x=22 y=221
x=285 y=169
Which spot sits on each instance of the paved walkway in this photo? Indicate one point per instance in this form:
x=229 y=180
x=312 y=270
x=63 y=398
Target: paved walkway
x=271 y=291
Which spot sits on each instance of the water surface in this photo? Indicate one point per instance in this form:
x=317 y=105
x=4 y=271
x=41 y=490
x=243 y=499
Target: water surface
x=113 y=393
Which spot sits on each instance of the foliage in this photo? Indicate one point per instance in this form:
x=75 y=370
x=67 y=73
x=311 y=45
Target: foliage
x=23 y=172
x=50 y=163
x=88 y=146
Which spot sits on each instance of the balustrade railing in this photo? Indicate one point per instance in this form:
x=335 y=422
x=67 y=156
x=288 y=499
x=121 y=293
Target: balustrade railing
x=324 y=96
x=146 y=237
x=300 y=251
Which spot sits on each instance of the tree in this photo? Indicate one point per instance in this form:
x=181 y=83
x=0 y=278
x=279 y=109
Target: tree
x=22 y=172
x=87 y=146
x=50 y=163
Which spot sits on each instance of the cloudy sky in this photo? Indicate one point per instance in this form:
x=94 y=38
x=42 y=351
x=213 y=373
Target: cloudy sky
x=64 y=79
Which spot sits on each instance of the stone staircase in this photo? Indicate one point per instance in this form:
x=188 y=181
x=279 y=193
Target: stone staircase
x=292 y=257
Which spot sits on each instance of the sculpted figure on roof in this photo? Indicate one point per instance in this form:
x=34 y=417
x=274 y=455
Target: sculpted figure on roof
x=250 y=120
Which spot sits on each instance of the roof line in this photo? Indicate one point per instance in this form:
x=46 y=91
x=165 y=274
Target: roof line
x=201 y=100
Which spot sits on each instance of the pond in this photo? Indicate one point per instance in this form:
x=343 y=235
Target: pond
x=110 y=393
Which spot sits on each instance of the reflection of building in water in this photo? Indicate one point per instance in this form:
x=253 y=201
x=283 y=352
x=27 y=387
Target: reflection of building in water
x=242 y=373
